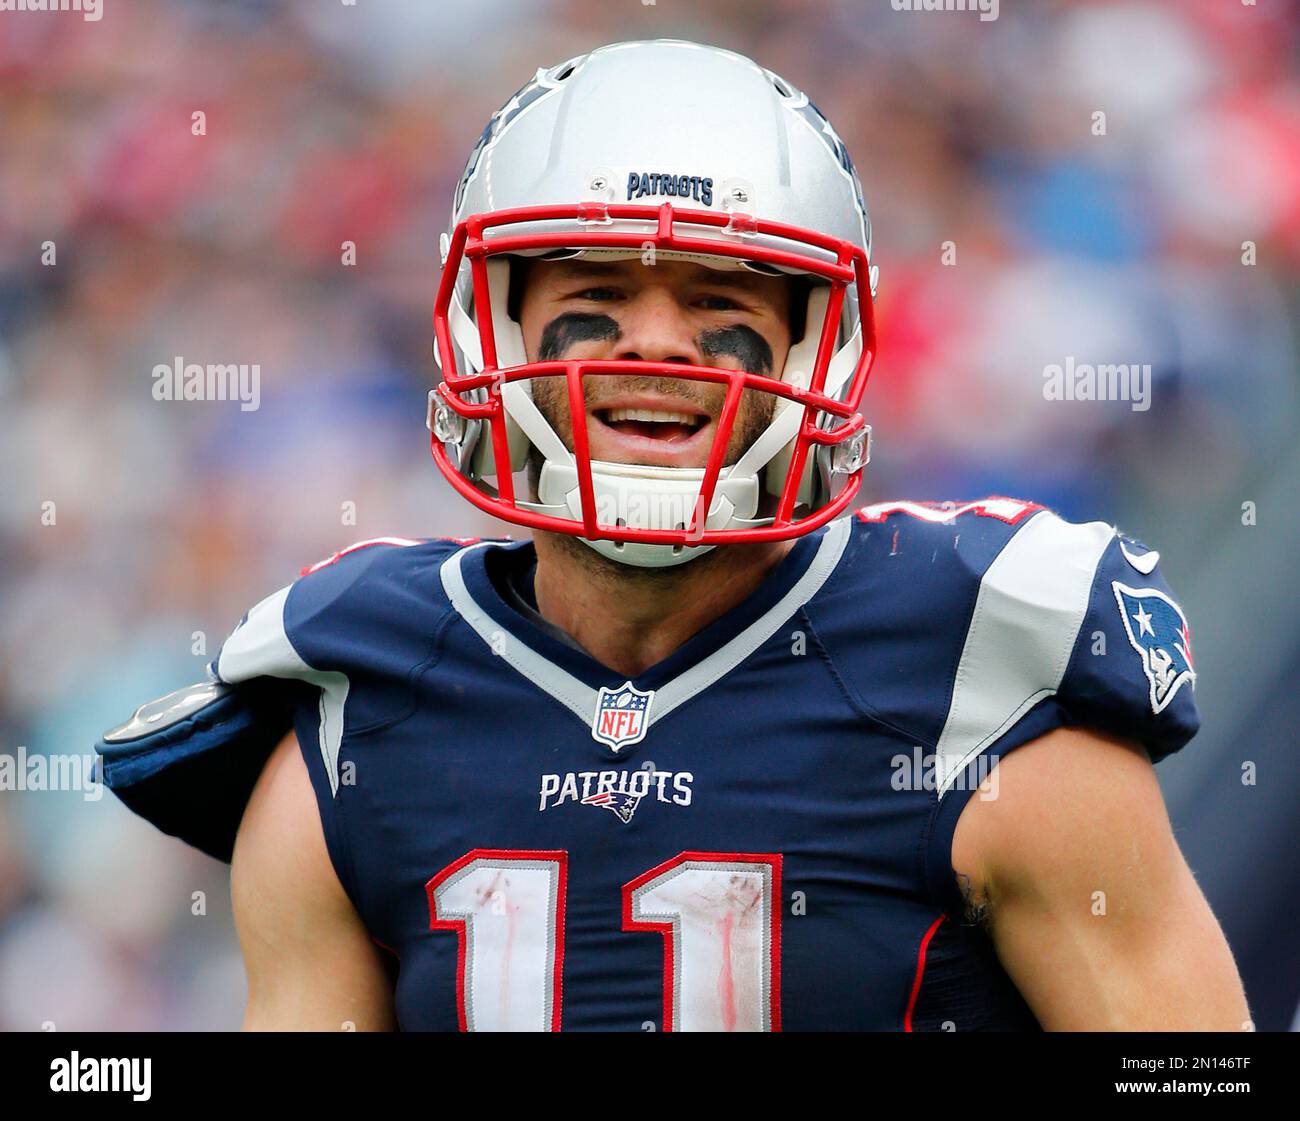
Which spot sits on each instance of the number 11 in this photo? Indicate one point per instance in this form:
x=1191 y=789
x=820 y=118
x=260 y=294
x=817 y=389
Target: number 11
x=718 y=913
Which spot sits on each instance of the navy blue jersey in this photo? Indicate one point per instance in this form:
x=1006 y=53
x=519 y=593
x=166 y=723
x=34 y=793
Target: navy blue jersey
x=753 y=834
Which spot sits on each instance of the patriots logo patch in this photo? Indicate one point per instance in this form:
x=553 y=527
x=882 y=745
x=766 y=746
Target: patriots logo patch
x=620 y=801
x=1157 y=630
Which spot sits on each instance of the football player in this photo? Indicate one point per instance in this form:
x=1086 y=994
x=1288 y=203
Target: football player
x=716 y=749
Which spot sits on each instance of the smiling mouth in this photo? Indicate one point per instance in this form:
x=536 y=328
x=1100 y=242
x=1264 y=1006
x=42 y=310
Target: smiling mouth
x=670 y=426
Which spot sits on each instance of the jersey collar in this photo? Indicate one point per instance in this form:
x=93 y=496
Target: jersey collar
x=573 y=677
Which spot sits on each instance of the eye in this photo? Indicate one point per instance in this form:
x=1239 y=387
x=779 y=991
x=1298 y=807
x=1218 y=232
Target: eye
x=599 y=295
x=718 y=303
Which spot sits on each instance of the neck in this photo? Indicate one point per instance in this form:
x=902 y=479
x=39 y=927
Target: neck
x=630 y=618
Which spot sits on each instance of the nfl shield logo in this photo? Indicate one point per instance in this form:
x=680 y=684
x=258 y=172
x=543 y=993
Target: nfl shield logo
x=622 y=715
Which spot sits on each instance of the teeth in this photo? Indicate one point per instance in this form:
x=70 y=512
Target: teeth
x=655 y=416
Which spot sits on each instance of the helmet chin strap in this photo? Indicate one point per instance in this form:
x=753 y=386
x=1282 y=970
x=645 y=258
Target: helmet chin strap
x=638 y=496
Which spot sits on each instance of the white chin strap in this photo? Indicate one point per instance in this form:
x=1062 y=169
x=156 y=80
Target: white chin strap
x=633 y=495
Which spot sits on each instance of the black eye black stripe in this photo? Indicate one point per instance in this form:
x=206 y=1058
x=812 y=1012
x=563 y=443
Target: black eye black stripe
x=575 y=327
x=743 y=343
x=740 y=341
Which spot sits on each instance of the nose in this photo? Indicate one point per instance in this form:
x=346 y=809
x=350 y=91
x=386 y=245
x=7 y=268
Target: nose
x=656 y=328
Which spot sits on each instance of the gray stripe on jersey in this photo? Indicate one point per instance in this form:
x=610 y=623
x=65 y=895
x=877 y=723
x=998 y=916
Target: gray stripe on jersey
x=542 y=672
x=260 y=647
x=1031 y=604
x=722 y=661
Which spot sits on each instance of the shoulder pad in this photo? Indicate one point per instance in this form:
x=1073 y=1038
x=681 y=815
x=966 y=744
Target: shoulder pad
x=187 y=762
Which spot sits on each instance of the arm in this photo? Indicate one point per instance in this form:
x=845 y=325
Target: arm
x=1078 y=814
x=311 y=964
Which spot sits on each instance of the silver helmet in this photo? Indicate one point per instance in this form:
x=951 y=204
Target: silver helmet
x=660 y=150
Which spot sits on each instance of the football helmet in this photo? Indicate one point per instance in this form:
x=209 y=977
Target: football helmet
x=663 y=150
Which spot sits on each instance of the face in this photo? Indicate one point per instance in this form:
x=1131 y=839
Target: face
x=672 y=311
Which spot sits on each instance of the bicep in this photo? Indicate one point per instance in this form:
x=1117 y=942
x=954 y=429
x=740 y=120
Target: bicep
x=311 y=963
x=1092 y=908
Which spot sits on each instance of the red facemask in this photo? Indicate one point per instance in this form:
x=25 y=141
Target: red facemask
x=833 y=423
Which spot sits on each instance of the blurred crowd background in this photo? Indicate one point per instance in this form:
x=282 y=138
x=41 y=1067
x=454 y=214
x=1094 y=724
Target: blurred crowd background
x=329 y=122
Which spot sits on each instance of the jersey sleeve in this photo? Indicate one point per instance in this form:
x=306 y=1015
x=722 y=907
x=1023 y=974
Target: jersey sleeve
x=188 y=761
x=1074 y=625
x=1132 y=671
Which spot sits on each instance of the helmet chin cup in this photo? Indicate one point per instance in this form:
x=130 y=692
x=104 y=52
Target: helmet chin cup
x=633 y=496
x=637 y=555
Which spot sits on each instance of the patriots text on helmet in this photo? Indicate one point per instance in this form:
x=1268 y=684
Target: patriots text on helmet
x=644 y=183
